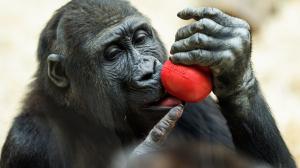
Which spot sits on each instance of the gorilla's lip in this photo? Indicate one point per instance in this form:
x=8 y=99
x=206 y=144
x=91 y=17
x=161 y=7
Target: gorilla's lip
x=166 y=101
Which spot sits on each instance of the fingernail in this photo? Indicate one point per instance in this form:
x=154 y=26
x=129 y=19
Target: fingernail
x=179 y=111
x=172 y=49
x=180 y=13
x=173 y=59
x=176 y=112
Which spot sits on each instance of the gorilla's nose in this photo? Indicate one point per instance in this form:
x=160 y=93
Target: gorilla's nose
x=146 y=76
x=147 y=71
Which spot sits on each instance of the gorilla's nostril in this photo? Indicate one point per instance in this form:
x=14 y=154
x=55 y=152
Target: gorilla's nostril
x=146 y=76
x=154 y=66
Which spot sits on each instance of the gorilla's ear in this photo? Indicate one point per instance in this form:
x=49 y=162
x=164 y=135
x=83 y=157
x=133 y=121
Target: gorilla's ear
x=56 y=70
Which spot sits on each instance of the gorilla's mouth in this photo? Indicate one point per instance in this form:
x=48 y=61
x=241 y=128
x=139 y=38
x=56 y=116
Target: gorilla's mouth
x=166 y=100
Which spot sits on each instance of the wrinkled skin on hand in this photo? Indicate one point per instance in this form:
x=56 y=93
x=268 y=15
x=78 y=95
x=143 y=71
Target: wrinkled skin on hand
x=220 y=42
x=159 y=133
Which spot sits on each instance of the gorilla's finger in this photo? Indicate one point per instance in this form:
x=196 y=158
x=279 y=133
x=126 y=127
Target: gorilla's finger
x=165 y=125
x=203 y=57
x=199 y=41
x=160 y=131
x=204 y=25
x=214 y=14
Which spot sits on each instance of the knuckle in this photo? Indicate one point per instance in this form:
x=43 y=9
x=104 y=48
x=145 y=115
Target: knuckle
x=172 y=115
x=176 y=57
x=201 y=37
x=228 y=55
x=242 y=44
x=174 y=45
x=184 y=10
x=209 y=24
x=156 y=135
x=198 y=37
x=190 y=10
x=227 y=60
x=202 y=52
x=165 y=124
x=212 y=11
x=158 y=129
x=204 y=22
x=247 y=25
x=216 y=11
x=244 y=33
x=195 y=39
x=197 y=26
x=238 y=45
x=194 y=55
x=177 y=36
x=237 y=42
x=179 y=32
x=173 y=48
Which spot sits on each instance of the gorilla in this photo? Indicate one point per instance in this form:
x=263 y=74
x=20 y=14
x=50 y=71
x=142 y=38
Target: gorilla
x=97 y=90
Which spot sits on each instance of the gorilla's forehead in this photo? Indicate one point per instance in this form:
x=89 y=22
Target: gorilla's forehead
x=116 y=31
x=112 y=18
x=83 y=20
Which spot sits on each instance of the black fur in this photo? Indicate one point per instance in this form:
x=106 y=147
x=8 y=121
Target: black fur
x=102 y=110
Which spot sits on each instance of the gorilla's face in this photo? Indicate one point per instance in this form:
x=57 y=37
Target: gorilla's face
x=131 y=60
x=111 y=62
x=128 y=58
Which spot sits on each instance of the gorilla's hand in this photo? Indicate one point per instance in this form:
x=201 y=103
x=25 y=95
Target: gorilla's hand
x=220 y=42
x=159 y=133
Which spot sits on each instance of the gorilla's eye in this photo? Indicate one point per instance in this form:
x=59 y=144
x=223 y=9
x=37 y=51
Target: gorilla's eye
x=140 y=36
x=112 y=52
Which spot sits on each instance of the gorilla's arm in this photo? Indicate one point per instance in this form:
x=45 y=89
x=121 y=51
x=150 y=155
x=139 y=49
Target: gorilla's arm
x=223 y=43
x=253 y=128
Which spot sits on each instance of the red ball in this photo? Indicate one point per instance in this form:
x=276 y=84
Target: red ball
x=188 y=83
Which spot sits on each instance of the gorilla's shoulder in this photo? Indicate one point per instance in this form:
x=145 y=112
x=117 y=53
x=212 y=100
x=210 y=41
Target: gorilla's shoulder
x=204 y=121
x=27 y=142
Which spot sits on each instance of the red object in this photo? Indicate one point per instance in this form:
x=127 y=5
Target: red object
x=188 y=83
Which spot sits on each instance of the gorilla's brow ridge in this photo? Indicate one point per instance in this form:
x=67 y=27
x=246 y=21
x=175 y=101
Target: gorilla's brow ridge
x=115 y=32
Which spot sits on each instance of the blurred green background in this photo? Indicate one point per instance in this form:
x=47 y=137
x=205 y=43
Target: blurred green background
x=276 y=50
